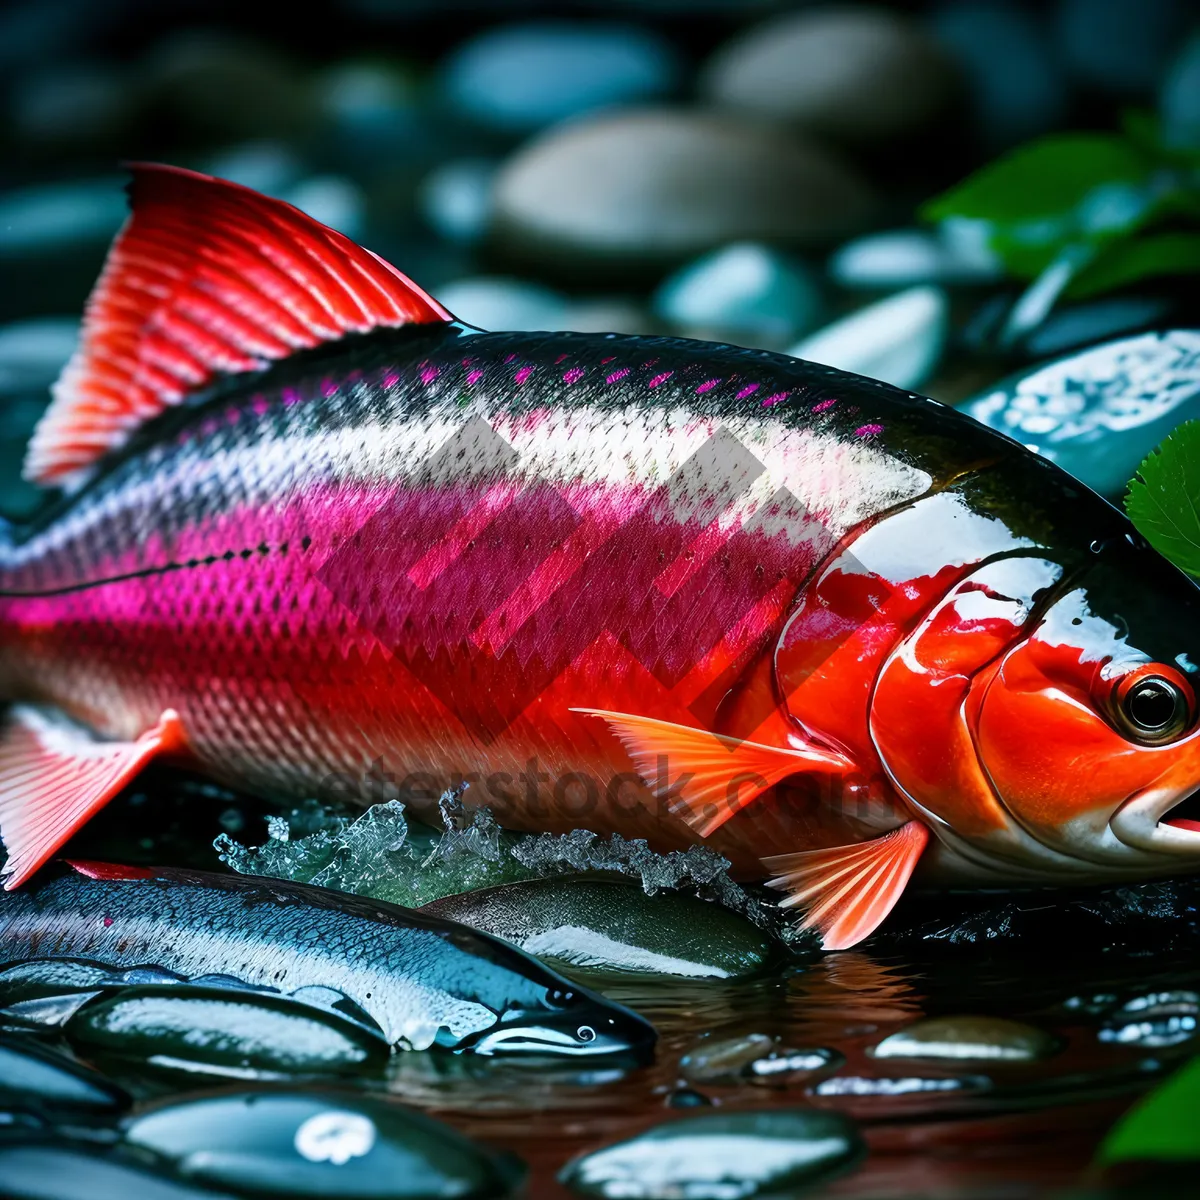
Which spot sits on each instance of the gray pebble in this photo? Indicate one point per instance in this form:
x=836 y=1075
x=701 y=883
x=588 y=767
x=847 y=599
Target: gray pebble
x=851 y=74
x=629 y=191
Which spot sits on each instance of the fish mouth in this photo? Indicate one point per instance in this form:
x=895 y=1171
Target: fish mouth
x=587 y=1037
x=1161 y=820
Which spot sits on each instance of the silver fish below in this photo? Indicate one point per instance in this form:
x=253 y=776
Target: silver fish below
x=425 y=981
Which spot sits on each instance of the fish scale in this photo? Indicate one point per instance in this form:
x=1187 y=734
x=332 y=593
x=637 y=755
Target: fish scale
x=646 y=586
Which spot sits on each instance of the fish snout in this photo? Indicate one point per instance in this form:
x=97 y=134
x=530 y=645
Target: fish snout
x=1163 y=819
x=585 y=1031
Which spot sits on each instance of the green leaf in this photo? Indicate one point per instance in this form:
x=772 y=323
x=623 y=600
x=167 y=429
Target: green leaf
x=1163 y=501
x=1046 y=178
x=1137 y=258
x=1060 y=191
x=1162 y=1125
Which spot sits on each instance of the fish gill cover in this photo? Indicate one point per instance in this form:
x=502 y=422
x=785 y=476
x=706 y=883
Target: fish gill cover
x=384 y=855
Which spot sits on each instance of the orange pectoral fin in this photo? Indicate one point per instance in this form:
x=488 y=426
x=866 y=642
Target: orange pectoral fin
x=849 y=889
x=55 y=775
x=707 y=777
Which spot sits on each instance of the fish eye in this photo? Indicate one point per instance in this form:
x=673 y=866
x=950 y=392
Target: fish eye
x=585 y=1033
x=1154 y=705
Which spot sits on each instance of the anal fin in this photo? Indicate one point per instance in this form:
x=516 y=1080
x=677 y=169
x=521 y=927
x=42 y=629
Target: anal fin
x=849 y=890
x=55 y=775
x=707 y=777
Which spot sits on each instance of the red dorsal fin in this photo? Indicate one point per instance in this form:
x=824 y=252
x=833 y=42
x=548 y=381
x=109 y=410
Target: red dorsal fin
x=848 y=890
x=206 y=278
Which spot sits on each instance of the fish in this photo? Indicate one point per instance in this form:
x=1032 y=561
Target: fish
x=423 y=980
x=311 y=535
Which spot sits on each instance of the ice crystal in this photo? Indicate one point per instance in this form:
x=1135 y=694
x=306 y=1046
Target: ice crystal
x=384 y=855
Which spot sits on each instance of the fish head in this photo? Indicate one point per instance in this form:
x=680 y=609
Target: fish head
x=1087 y=729
x=570 y=1021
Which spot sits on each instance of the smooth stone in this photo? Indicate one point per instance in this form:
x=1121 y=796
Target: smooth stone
x=30 y=1071
x=518 y=78
x=1179 y=97
x=1014 y=81
x=994 y=1039
x=63 y=1171
x=1083 y=324
x=612 y=926
x=333 y=200
x=225 y=1032
x=643 y=189
x=745 y=288
x=58 y=217
x=499 y=303
x=33 y=352
x=601 y=314
x=217 y=85
x=1121 y=45
x=1099 y=413
x=456 y=199
x=898 y=340
x=755 y=1058
x=361 y=95
x=1154 y=1021
x=909 y=1085
x=265 y=166
x=291 y=1144
x=854 y=75
x=908 y=257
x=68 y=108
x=719 y=1156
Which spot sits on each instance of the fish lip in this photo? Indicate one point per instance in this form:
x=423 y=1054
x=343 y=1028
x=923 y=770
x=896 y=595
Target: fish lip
x=548 y=1035
x=1141 y=822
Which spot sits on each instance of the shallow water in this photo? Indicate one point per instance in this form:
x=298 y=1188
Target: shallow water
x=1114 y=976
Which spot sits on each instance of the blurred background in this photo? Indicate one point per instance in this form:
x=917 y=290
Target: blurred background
x=941 y=195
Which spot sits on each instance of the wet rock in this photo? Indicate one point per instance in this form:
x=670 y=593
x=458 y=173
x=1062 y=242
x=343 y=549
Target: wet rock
x=603 y=314
x=907 y=257
x=518 y=78
x=215 y=85
x=746 y=291
x=225 y=1032
x=1120 y=45
x=1179 y=97
x=612 y=926
x=1100 y=412
x=905 y=1085
x=33 y=352
x=1153 y=1021
x=755 y=1058
x=969 y=1037
x=30 y=1071
x=717 y=1156
x=291 y=1144
x=62 y=1171
x=639 y=190
x=71 y=108
x=1016 y=86
x=45 y=218
x=333 y=200
x=851 y=74
x=1084 y=324
x=456 y=198
x=898 y=340
x=265 y=166
x=497 y=302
